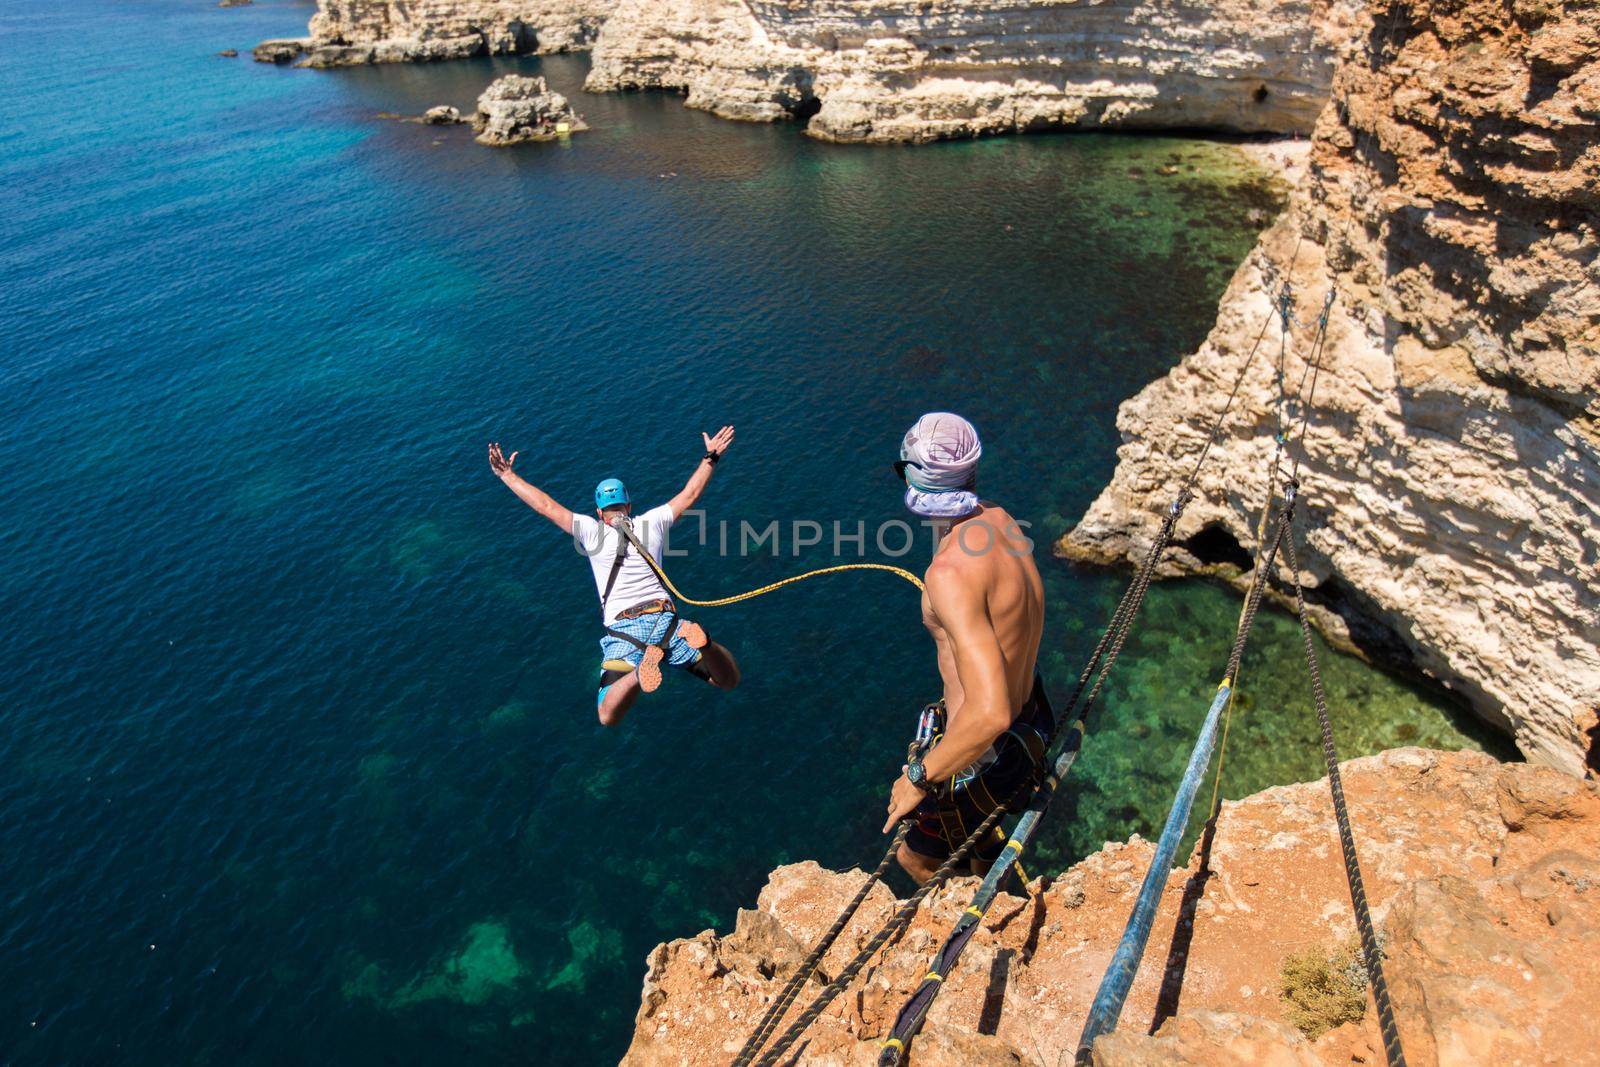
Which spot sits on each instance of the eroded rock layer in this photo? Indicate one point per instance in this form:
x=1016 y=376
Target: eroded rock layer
x=1482 y=877
x=919 y=70
x=353 y=32
x=1451 y=500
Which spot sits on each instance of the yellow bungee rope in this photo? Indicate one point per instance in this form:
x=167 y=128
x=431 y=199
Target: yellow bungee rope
x=899 y=572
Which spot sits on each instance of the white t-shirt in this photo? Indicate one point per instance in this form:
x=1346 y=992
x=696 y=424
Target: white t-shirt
x=636 y=582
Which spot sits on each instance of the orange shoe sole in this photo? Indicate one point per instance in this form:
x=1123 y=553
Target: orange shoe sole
x=650 y=669
x=693 y=633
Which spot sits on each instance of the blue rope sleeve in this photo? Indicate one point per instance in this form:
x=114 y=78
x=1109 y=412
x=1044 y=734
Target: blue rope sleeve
x=1108 y=1001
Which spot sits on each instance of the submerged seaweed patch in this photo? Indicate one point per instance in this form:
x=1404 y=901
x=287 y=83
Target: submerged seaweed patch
x=484 y=965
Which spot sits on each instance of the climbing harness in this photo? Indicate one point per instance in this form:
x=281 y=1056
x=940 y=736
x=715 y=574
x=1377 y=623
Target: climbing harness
x=972 y=783
x=614 y=670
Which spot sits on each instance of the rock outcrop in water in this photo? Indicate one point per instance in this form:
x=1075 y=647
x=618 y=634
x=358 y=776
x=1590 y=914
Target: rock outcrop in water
x=355 y=32
x=1482 y=876
x=919 y=70
x=442 y=115
x=280 y=50
x=1452 y=472
x=515 y=109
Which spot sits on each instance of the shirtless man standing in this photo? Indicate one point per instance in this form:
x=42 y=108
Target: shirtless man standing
x=984 y=606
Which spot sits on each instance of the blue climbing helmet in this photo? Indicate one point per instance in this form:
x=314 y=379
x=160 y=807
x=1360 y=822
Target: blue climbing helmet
x=610 y=493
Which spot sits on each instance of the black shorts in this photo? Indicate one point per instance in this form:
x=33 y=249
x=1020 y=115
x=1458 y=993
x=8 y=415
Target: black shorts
x=943 y=823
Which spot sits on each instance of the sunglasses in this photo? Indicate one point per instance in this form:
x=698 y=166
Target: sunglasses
x=900 y=466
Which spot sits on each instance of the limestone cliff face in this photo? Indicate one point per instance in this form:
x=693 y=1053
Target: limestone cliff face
x=348 y=32
x=919 y=70
x=1482 y=878
x=1452 y=468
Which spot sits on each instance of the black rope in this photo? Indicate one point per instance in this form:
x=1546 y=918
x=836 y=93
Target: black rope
x=896 y=923
x=1371 y=953
x=780 y=1005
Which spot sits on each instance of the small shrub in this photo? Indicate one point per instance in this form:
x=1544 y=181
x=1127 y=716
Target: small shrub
x=1324 y=990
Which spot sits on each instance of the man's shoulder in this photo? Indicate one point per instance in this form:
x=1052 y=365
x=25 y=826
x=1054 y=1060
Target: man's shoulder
x=955 y=574
x=586 y=530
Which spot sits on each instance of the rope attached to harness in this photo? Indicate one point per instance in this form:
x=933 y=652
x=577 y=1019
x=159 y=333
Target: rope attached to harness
x=780 y=1004
x=899 y=572
x=916 y=1008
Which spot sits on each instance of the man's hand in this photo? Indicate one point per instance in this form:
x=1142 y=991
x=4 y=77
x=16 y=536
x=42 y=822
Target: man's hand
x=719 y=444
x=499 y=463
x=903 y=800
x=715 y=447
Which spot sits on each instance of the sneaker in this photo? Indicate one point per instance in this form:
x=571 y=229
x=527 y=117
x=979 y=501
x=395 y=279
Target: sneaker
x=650 y=669
x=692 y=632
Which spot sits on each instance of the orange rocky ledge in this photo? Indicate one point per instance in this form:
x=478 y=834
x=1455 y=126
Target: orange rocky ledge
x=1482 y=876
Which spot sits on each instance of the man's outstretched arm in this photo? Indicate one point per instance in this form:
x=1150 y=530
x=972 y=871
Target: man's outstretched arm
x=715 y=447
x=985 y=713
x=531 y=495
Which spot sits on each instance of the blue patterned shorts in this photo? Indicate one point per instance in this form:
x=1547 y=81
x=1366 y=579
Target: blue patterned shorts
x=648 y=629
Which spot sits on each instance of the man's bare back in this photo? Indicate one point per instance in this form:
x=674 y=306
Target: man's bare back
x=988 y=555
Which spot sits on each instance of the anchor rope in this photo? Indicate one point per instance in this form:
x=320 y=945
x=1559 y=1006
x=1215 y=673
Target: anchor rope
x=1371 y=951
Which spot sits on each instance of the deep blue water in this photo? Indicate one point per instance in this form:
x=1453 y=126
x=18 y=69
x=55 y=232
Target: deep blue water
x=298 y=759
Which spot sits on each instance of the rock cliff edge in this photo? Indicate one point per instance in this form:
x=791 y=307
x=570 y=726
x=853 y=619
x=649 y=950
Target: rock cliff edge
x=1482 y=878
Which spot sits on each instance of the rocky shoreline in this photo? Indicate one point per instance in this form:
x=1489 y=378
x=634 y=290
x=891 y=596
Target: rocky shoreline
x=347 y=33
x=1482 y=876
x=891 y=70
x=1453 y=448
x=888 y=70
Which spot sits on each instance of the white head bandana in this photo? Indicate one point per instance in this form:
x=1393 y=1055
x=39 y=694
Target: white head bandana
x=941 y=453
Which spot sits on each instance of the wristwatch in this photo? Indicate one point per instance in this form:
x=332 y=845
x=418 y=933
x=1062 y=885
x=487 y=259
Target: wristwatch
x=917 y=774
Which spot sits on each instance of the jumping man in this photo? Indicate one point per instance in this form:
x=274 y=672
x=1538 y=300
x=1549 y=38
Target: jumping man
x=643 y=629
x=984 y=605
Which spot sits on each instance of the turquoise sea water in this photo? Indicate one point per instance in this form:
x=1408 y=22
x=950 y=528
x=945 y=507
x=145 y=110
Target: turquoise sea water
x=298 y=760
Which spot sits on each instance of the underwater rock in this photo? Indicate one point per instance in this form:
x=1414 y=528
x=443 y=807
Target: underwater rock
x=594 y=948
x=229 y=53
x=1465 y=861
x=883 y=70
x=517 y=108
x=1448 y=494
x=357 y=32
x=484 y=966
